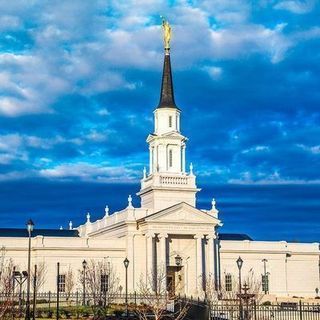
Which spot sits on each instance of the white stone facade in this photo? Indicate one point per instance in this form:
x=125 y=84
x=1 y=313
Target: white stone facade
x=166 y=225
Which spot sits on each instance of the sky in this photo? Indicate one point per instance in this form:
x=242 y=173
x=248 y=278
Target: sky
x=79 y=81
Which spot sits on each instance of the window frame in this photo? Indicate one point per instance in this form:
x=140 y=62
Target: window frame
x=62 y=283
x=170 y=156
x=265 y=283
x=228 y=282
x=104 y=282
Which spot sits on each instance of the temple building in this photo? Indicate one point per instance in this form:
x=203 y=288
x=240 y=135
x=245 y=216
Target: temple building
x=168 y=231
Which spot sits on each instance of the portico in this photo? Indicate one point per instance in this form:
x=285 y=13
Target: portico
x=180 y=231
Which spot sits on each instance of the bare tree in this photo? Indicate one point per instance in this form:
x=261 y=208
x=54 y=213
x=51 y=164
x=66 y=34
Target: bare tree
x=39 y=277
x=6 y=285
x=156 y=300
x=102 y=284
x=228 y=293
x=70 y=283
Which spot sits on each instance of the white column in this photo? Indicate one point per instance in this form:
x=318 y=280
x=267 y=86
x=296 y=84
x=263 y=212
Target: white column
x=198 y=239
x=149 y=264
x=162 y=253
x=210 y=255
x=183 y=158
x=150 y=161
x=162 y=257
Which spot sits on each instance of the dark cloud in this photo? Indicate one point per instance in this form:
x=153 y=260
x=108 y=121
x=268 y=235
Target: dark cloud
x=78 y=87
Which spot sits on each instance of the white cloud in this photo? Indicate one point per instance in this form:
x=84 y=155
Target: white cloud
x=78 y=49
x=247 y=178
x=8 y=22
x=312 y=149
x=295 y=6
x=259 y=148
x=89 y=172
x=103 y=112
x=214 y=72
x=248 y=39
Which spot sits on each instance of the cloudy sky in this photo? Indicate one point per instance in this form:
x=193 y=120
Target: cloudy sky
x=79 y=81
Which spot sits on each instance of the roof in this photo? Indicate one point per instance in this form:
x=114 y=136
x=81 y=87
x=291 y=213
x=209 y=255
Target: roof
x=166 y=94
x=234 y=236
x=22 y=233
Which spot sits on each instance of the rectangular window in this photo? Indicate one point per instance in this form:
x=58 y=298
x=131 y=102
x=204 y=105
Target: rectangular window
x=265 y=283
x=170 y=121
x=228 y=282
x=104 y=282
x=62 y=283
x=170 y=158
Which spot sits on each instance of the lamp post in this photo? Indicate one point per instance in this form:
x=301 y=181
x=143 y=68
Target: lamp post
x=30 y=226
x=266 y=278
x=239 y=264
x=126 y=265
x=20 y=278
x=84 y=267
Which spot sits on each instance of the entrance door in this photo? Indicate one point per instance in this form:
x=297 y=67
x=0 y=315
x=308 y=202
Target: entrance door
x=171 y=284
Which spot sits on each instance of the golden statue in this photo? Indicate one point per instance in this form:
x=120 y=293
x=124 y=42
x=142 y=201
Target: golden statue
x=166 y=33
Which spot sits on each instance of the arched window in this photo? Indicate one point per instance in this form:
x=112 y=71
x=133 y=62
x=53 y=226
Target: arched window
x=170 y=158
x=228 y=282
x=170 y=121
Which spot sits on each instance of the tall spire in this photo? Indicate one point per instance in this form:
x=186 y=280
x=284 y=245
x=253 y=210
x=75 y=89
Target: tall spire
x=166 y=94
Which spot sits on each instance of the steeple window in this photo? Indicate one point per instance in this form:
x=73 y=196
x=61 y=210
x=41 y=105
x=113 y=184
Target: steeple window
x=170 y=121
x=170 y=158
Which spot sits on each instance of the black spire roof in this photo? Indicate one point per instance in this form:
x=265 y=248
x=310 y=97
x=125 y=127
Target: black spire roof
x=167 y=95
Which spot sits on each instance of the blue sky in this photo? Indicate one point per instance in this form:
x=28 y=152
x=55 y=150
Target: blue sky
x=79 y=81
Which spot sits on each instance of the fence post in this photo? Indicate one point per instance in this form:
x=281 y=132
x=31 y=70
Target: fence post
x=58 y=282
x=34 y=293
x=135 y=299
x=49 y=301
x=300 y=309
x=77 y=304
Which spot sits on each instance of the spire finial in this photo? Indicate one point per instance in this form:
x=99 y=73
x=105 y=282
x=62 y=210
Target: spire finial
x=70 y=225
x=191 y=169
x=61 y=228
x=106 y=210
x=213 y=203
x=130 y=201
x=144 y=173
x=88 y=217
x=166 y=34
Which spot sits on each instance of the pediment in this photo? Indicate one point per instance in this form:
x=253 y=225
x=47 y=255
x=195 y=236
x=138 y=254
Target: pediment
x=182 y=213
x=168 y=135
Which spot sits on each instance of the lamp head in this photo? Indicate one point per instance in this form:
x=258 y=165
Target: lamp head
x=84 y=264
x=126 y=263
x=30 y=225
x=178 y=260
x=239 y=263
x=17 y=274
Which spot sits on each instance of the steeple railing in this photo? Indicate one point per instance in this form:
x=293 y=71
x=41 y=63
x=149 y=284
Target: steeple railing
x=164 y=179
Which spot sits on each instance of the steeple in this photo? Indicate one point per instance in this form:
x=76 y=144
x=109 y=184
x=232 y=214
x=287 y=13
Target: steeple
x=167 y=183
x=166 y=94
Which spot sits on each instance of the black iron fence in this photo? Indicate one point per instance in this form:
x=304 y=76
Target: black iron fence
x=72 y=306
x=280 y=311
